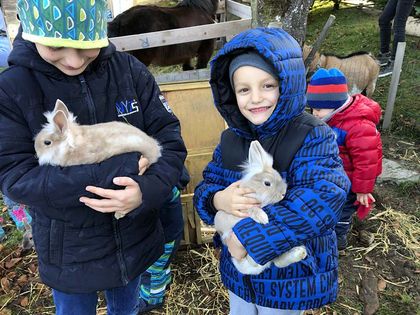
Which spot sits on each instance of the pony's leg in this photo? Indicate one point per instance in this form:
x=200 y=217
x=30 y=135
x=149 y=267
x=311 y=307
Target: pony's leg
x=204 y=53
x=144 y=56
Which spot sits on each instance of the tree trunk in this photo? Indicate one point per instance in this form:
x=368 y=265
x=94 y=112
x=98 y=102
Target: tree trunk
x=290 y=15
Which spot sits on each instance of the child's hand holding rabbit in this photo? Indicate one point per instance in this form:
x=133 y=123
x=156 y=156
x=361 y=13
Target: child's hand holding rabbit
x=121 y=203
x=235 y=247
x=234 y=200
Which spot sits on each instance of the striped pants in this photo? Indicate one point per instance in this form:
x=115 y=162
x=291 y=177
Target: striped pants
x=155 y=279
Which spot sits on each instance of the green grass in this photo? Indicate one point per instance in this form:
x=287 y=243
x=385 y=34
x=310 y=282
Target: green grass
x=357 y=30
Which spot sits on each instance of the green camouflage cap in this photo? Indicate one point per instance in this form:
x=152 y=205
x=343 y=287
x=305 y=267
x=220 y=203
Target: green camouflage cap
x=66 y=23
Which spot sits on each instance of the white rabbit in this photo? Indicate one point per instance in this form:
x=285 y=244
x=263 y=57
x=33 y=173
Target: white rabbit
x=269 y=188
x=62 y=141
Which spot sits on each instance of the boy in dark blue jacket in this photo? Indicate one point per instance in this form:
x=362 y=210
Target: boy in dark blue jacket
x=258 y=84
x=62 y=52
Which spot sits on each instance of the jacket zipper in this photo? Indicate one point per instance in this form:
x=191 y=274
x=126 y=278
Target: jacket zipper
x=120 y=257
x=92 y=113
x=89 y=99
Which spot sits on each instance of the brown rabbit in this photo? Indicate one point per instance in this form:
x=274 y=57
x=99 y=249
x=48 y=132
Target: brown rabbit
x=62 y=141
x=269 y=188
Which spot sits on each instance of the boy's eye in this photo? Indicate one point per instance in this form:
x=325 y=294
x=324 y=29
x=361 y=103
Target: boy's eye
x=54 y=48
x=269 y=85
x=243 y=90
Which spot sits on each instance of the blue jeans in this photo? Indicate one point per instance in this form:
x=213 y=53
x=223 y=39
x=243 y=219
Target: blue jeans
x=344 y=224
x=120 y=301
x=397 y=10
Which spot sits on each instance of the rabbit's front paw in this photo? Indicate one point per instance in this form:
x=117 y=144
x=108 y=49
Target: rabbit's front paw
x=258 y=215
x=290 y=257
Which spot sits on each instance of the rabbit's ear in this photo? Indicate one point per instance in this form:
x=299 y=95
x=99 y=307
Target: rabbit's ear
x=59 y=105
x=257 y=155
x=60 y=121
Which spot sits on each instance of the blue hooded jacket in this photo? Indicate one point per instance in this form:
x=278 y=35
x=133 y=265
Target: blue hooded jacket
x=317 y=186
x=81 y=250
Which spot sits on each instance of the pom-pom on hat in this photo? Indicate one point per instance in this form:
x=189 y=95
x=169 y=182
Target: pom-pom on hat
x=327 y=89
x=252 y=59
x=71 y=23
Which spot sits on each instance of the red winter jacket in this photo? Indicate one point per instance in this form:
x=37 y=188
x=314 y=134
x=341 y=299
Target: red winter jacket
x=359 y=142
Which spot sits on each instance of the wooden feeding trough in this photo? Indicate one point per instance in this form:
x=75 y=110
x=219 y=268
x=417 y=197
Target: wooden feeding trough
x=189 y=96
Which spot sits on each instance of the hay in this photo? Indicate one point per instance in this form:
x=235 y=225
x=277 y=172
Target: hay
x=393 y=225
x=203 y=292
x=405 y=226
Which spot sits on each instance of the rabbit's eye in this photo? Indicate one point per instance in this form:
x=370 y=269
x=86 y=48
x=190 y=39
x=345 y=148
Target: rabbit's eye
x=267 y=183
x=47 y=142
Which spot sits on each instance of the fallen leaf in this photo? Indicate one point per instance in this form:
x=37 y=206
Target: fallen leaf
x=5 y=284
x=1 y=247
x=381 y=285
x=12 y=262
x=24 y=302
x=23 y=279
x=5 y=311
x=32 y=268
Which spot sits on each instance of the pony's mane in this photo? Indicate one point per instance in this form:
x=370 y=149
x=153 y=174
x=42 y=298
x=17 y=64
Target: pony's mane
x=357 y=53
x=208 y=6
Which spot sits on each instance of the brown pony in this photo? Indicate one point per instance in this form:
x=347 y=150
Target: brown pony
x=148 y=18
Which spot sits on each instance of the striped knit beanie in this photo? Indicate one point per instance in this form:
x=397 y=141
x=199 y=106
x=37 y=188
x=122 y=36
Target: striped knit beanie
x=71 y=23
x=327 y=89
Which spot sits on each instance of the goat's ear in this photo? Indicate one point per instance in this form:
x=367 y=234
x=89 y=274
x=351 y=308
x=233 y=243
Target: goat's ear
x=322 y=61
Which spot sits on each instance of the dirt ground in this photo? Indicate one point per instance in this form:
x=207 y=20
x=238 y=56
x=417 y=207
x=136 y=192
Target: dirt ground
x=379 y=270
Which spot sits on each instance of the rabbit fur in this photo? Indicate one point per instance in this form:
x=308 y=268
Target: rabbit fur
x=269 y=188
x=63 y=142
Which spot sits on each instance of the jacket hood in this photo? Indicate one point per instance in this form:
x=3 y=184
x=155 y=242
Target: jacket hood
x=361 y=108
x=25 y=54
x=284 y=53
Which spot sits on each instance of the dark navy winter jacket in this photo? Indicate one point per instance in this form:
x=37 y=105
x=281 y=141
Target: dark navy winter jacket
x=79 y=249
x=317 y=187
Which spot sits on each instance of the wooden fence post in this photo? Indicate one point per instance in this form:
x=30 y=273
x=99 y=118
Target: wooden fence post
x=318 y=42
x=255 y=19
x=399 y=56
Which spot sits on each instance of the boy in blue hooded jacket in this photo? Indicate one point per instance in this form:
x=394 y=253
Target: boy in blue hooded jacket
x=62 y=52
x=258 y=84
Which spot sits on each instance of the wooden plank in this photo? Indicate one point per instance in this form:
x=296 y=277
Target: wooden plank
x=184 y=76
x=399 y=56
x=240 y=10
x=181 y=35
x=180 y=86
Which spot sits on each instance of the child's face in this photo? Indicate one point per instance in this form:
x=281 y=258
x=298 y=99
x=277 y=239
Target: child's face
x=257 y=93
x=70 y=61
x=321 y=112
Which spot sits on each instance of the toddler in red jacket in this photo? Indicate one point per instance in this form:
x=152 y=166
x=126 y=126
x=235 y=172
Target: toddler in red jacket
x=353 y=119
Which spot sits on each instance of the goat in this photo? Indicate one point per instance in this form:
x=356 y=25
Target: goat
x=360 y=68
